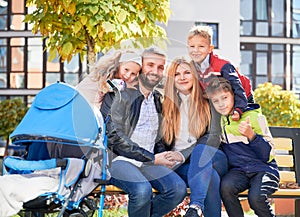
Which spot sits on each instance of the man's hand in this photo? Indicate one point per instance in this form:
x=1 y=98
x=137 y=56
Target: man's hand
x=174 y=156
x=246 y=130
x=161 y=159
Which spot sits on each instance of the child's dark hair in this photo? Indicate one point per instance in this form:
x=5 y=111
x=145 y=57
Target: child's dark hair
x=218 y=84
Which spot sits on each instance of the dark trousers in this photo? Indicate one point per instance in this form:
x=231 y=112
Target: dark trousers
x=260 y=185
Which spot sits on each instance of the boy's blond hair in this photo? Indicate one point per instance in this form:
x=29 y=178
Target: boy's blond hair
x=201 y=30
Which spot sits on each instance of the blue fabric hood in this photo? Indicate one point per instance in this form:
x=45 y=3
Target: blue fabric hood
x=58 y=111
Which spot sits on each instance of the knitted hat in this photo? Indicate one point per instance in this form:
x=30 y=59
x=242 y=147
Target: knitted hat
x=131 y=57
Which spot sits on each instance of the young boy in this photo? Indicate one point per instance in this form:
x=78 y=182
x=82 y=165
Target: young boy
x=209 y=65
x=248 y=146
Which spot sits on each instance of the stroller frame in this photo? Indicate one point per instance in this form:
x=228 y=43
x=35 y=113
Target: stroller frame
x=23 y=136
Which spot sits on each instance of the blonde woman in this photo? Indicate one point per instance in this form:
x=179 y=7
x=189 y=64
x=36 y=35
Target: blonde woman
x=186 y=120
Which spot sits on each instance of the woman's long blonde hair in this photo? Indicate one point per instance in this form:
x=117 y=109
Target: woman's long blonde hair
x=106 y=68
x=198 y=112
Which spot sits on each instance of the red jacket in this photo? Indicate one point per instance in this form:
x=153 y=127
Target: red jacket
x=239 y=82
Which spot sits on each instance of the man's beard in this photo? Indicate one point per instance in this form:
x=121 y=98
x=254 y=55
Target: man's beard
x=147 y=83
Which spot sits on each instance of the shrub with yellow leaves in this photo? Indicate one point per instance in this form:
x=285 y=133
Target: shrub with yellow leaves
x=281 y=107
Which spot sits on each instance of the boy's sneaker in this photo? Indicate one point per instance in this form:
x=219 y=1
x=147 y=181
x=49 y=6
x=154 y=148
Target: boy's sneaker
x=194 y=211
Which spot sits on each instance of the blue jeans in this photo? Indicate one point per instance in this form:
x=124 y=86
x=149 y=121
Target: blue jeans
x=260 y=184
x=138 y=182
x=207 y=164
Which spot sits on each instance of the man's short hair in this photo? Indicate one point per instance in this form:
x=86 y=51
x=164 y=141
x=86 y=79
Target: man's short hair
x=154 y=50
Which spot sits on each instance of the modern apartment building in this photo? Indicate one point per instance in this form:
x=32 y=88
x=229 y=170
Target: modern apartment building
x=260 y=37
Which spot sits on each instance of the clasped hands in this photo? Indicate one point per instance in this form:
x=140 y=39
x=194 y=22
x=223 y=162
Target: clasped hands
x=168 y=158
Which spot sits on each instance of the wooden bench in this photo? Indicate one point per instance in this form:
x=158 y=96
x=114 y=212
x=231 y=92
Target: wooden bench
x=287 y=154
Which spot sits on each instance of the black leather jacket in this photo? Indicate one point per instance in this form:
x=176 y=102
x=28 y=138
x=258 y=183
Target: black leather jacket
x=124 y=115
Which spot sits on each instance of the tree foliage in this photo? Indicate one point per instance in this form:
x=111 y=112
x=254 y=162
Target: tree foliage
x=281 y=107
x=12 y=112
x=78 y=26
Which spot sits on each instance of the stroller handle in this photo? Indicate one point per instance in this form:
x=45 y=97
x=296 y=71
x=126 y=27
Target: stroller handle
x=19 y=164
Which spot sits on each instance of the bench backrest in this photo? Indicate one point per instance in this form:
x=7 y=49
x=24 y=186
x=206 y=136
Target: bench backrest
x=287 y=152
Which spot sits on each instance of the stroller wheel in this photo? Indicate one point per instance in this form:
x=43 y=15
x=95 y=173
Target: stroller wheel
x=75 y=213
x=89 y=204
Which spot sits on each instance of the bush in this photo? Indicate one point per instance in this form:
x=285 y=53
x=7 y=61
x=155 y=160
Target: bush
x=12 y=112
x=281 y=107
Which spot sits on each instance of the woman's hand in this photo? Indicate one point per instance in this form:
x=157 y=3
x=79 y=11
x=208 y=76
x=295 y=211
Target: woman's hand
x=174 y=156
x=161 y=159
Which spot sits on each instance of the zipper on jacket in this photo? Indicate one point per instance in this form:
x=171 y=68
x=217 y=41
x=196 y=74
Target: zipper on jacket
x=224 y=129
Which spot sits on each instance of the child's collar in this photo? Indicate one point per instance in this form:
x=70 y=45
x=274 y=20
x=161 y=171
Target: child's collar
x=205 y=64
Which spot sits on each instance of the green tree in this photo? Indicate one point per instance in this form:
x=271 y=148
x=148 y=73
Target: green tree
x=11 y=113
x=281 y=107
x=91 y=26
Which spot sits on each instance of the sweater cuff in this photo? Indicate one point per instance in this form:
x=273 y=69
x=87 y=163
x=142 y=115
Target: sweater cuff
x=239 y=111
x=253 y=138
x=182 y=156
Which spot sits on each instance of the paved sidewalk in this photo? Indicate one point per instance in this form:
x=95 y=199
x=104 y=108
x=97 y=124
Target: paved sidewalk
x=224 y=214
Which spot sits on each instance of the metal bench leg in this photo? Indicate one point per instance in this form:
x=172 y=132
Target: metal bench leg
x=297 y=207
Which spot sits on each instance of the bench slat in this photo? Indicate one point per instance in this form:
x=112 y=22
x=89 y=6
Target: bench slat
x=287 y=176
x=283 y=143
x=280 y=192
x=284 y=160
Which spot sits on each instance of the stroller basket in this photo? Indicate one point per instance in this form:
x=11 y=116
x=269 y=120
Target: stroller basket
x=63 y=133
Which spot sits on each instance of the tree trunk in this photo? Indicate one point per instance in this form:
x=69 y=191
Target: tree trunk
x=91 y=55
x=6 y=147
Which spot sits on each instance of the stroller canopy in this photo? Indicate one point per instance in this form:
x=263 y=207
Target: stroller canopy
x=59 y=113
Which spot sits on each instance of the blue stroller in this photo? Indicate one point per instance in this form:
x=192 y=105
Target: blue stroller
x=62 y=132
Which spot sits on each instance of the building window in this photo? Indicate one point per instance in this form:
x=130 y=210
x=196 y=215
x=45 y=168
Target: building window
x=261 y=15
x=3 y=15
x=261 y=62
x=296 y=68
x=246 y=19
x=263 y=18
x=246 y=66
x=278 y=64
x=23 y=58
x=17 y=68
x=215 y=28
x=296 y=19
x=3 y=63
x=264 y=63
x=277 y=18
x=35 y=63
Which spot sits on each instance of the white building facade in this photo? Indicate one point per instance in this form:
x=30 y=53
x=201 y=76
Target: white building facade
x=260 y=37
